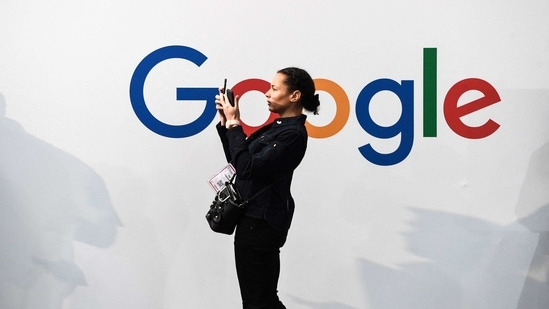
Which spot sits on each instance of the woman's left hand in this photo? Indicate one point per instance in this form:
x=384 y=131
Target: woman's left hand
x=225 y=108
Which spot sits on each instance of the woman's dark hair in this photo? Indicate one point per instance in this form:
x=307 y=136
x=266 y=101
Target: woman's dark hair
x=299 y=79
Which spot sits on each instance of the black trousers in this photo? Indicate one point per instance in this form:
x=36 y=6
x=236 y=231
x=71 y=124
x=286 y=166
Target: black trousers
x=257 y=255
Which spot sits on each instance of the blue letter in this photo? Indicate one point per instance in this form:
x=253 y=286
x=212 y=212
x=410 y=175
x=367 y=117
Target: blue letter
x=138 y=101
x=404 y=126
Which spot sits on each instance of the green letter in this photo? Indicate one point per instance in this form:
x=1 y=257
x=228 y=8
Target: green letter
x=429 y=92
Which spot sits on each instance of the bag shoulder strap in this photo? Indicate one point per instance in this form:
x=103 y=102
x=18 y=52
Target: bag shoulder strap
x=246 y=202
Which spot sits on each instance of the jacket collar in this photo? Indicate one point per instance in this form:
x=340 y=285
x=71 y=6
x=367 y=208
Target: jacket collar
x=289 y=120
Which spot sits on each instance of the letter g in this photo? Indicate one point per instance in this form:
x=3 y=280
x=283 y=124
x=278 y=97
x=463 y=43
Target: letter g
x=138 y=101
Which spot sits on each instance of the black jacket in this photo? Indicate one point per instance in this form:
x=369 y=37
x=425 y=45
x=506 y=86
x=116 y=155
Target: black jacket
x=268 y=156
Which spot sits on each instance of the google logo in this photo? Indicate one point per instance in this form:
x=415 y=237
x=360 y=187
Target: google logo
x=453 y=110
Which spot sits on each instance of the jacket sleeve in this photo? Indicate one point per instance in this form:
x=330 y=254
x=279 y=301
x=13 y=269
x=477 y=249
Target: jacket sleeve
x=222 y=132
x=278 y=154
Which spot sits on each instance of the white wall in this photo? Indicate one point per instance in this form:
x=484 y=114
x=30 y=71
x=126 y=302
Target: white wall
x=97 y=211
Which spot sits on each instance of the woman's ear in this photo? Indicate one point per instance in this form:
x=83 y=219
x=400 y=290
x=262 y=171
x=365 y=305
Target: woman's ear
x=295 y=96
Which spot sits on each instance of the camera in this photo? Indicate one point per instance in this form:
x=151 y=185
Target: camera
x=229 y=93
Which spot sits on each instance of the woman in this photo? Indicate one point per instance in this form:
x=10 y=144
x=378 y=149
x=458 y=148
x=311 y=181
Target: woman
x=268 y=157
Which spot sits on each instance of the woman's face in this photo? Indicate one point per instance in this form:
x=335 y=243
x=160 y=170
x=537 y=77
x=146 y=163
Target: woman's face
x=279 y=98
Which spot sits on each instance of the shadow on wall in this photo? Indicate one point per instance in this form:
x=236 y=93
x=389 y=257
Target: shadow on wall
x=320 y=305
x=469 y=263
x=48 y=200
x=533 y=212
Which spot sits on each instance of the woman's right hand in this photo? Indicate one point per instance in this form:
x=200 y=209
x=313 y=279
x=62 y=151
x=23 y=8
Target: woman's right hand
x=226 y=110
x=219 y=106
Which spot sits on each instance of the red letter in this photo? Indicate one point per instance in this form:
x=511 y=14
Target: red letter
x=249 y=85
x=453 y=112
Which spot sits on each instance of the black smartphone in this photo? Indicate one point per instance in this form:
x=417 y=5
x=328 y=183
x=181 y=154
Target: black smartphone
x=229 y=92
